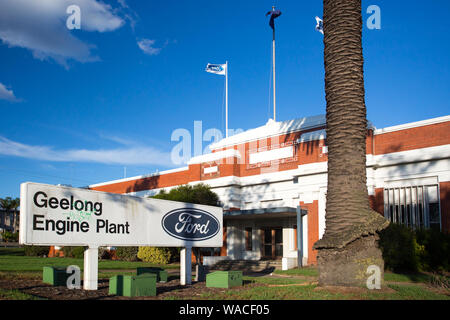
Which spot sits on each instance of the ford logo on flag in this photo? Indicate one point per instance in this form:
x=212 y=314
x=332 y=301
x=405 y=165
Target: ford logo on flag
x=215 y=68
x=190 y=224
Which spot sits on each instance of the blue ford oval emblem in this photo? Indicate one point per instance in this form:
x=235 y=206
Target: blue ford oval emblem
x=216 y=68
x=190 y=224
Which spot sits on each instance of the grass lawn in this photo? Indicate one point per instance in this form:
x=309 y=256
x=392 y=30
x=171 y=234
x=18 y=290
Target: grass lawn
x=312 y=292
x=415 y=278
x=307 y=271
x=281 y=285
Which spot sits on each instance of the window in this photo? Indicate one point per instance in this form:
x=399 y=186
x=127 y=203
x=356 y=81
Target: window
x=248 y=239
x=414 y=206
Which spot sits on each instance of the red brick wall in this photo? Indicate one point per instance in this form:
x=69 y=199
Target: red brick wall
x=377 y=201
x=223 y=250
x=313 y=228
x=159 y=181
x=370 y=142
x=445 y=205
x=414 y=138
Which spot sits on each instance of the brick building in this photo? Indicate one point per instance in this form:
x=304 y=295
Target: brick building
x=263 y=174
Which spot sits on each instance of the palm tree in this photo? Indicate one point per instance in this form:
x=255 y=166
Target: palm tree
x=349 y=244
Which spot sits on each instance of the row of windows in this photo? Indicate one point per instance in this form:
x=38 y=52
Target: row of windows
x=414 y=206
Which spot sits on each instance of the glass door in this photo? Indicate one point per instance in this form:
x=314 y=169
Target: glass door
x=272 y=243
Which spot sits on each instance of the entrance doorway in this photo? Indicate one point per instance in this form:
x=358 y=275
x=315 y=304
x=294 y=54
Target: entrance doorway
x=272 y=240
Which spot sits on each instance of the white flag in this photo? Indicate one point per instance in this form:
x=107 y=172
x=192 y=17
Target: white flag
x=216 y=68
x=319 y=26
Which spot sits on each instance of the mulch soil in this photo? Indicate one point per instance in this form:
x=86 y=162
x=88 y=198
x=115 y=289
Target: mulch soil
x=169 y=290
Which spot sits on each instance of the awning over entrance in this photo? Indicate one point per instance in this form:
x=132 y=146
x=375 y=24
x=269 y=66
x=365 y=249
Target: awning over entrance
x=263 y=213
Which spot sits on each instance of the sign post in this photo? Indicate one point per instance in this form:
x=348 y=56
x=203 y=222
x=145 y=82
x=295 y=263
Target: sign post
x=90 y=281
x=64 y=216
x=185 y=266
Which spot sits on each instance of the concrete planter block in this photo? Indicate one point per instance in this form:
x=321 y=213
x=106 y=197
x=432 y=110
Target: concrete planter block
x=56 y=276
x=116 y=285
x=224 y=279
x=133 y=286
x=161 y=274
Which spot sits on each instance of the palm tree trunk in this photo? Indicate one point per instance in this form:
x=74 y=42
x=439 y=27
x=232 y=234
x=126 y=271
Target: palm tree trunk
x=351 y=225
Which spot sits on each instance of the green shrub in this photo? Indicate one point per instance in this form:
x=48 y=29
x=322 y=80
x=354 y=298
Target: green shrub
x=436 y=255
x=174 y=254
x=154 y=255
x=74 y=252
x=406 y=250
x=9 y=236
x=400 y=249
x=439 y=281
x=127 y=253
x=36 y=251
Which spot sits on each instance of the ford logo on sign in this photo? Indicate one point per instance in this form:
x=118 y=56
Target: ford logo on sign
x=190 y=224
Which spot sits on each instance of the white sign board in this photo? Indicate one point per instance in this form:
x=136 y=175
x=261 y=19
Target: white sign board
x=56 y=215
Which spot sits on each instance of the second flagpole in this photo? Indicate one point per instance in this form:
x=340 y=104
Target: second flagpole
x=226 y=99
x=273 y=14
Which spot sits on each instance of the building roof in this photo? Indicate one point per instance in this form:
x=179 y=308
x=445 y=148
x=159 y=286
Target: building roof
x=272 y=128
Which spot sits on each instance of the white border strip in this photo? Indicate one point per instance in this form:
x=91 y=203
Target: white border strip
x=138 y=177
x=214 y=156
x=412 y=125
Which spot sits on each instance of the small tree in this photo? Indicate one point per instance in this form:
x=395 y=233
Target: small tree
x=198 y=194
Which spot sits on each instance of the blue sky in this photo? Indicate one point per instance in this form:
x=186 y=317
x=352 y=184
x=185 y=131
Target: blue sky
x=80 y=105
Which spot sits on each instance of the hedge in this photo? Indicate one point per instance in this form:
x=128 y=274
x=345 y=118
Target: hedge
x=407 y=250
x=154 y=255
x=74 y=252
x=8 y=236
x=36 y=251
x=127 y=253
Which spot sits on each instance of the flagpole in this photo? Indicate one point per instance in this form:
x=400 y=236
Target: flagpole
x=226 y=99
x=273 y=14
x=273 y=64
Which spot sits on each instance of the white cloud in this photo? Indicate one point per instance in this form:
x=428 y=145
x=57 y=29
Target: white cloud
x=6 y=94
x=40 y=26
x=123 y=3
x=146 y=45
x=128 y=155
x=128 y=13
